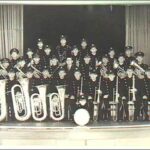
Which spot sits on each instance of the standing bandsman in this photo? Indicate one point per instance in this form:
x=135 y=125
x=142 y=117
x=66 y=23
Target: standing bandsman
x=62 y=50
x=94 y=57
x=40 y=48
x=84 y=49
x=112 y=58
x=128 y=55
x=47 y=55
x=14 y=53
x=29 y=55
x=75 y=55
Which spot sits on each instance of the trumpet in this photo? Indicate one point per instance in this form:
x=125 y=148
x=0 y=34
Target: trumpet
x=4 y=70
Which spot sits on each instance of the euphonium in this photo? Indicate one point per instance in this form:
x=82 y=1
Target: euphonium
x=57 y=103
x=21 y=100
x=38 y=103
x=3 y=106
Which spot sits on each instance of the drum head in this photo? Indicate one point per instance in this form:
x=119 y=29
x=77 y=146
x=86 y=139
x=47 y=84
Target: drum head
x=81 y=117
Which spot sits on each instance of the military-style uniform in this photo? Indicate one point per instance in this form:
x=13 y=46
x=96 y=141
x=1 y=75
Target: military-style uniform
x=62 y=52
x=92 y=94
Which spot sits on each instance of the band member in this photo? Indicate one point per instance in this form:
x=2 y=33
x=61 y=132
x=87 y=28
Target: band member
x=84 y=49
x=4 y=68
x=62 y=50
x=112 y=58
x=75 y=55
x=128 y=55
x=123 y=89
x=36 y=66
x=73 y=90
x=40 y=48
x=85 y=67
x=140 y=80
x=29 y=75
x=104 y=104
x=94 y=58
x=69 y=68
x=93 y=86
x=20 y=68
x=14 y=53
x=11 y=81
x=47 y=55
x=29 y=55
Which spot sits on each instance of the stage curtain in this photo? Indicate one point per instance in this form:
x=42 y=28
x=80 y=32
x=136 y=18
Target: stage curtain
x=138 y=29
x=11 y=29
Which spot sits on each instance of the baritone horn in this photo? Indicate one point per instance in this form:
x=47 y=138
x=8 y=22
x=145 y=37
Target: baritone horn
x=3 y=106
x=21 y=100
x=38 y=103
x=57 y=103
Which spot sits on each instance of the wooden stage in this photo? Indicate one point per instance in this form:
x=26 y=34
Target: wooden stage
x=66 y=134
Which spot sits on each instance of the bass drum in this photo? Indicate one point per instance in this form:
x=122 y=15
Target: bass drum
x=81 y=117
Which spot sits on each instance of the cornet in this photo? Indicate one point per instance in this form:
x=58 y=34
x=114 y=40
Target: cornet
x=133 y=63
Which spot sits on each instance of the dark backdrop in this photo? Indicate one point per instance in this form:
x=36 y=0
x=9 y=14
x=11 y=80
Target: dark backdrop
x=99 y=24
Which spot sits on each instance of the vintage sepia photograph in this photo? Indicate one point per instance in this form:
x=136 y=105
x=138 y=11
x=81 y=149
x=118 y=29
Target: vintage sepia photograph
x=75 y=74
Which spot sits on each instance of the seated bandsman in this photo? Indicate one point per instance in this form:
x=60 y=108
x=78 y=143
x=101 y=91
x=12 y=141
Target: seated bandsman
x=92 y=87
x=4 y=68
x=75 y=55
x=128 y=55
x=74 y=91
x=20 y=68
x=10 y=83
x=140 y=81
x=36 y=66
x=29 y=75
x=122 y=89
x=85 y=66
x=47 y=55
x=29 y=55
x=14 y=54
x=110 y=88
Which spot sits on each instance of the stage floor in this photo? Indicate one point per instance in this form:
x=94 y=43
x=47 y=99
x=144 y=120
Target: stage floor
x=66 y=134
x=70 y=124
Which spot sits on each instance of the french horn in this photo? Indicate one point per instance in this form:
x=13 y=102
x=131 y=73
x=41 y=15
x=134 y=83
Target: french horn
x=21 y=100
x=38 y=103
x=3 y=106
x=57 y=103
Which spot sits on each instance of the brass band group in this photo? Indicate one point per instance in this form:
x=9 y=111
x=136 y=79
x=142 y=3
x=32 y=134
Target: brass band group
x=76 y=83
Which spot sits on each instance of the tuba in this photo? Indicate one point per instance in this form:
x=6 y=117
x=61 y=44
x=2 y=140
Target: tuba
x=21 y=100
x=3 y=106
x=57 y=103
x=38 y=103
